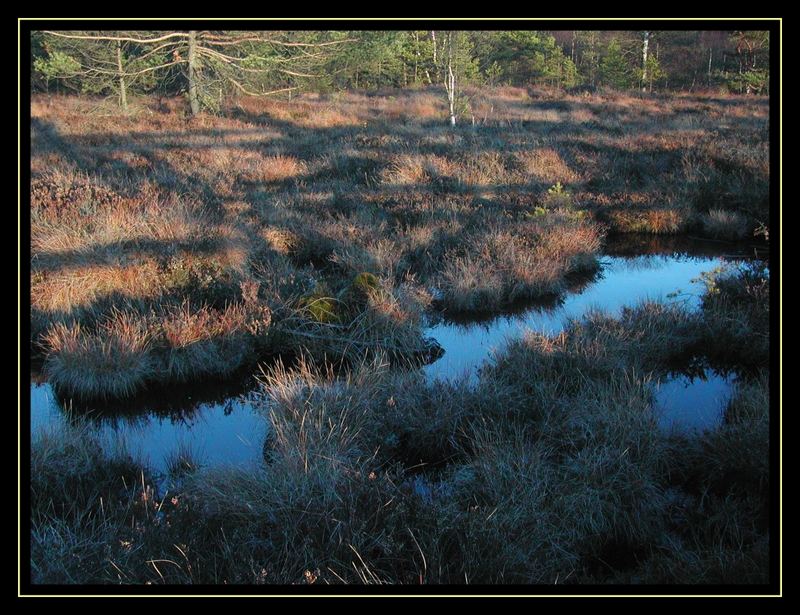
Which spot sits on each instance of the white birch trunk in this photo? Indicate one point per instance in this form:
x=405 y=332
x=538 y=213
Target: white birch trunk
x=450 y=80
x=451 y=94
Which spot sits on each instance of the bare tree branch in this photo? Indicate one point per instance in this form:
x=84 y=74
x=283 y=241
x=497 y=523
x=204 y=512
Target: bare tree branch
x=119 y=38
x=256 y=39
x=235 y=62
x=241 y=88
x=101 y=71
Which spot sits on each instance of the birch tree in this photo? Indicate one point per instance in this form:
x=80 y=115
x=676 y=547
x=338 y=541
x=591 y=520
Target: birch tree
x=450 y=78
x=456 y=65
x=645 y=45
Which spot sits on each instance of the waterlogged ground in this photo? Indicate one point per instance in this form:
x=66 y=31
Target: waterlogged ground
x=214 y=431
x=622 y=281
x=225 y=424
x=697 y=401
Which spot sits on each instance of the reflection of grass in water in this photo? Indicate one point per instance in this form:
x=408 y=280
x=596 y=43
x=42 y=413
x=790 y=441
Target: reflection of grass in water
x=638 y=244
x=520 y=310
x=177 y=402
x=642 y=263
x=696 y=401
x=693 y=366
x=183 y=460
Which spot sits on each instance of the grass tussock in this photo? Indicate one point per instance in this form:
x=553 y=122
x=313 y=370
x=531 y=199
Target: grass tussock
x=114 y=361
x=722 y=224
x=657 y=220
x=736 y=306
x=127 y=352
x=501 y=267
x=87 y=506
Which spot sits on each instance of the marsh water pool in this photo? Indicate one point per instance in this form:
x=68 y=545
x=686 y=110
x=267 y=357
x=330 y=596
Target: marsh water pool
x=224 y=424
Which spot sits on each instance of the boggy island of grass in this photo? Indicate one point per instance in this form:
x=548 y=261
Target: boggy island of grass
x=402 y=307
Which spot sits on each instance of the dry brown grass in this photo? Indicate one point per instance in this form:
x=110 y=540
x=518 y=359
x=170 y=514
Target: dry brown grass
x=184 y=326
x=722 y=224
x=502 y=267
x=82 y=286
x=146 y=211
x=113 y=361
x=279 y=168
x=660 y=220
x=546 y=165
x=406 y=169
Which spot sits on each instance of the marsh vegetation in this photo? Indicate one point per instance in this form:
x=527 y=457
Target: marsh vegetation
x=165 y=252
x=317 y=242
x=551 y=466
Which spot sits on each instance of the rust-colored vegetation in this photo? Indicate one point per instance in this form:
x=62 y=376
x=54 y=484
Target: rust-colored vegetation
x=186 y=248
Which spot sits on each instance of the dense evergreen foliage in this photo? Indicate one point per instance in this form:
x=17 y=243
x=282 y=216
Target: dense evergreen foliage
x=115 y=62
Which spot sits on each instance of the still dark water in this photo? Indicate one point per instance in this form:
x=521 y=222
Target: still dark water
x=227 y=425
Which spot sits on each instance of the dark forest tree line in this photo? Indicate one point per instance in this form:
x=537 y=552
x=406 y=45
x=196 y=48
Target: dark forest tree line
x=205 y=66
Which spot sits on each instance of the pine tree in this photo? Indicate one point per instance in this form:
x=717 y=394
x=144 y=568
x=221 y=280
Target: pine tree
x=210 y=62
x=614 y=68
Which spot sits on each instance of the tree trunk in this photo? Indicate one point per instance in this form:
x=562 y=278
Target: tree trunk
x=710 y=57
x=451 y=94
x=450 y=79
x=194 y=101
x=435 y=66
x=416 y=55
x=645 y=43
x=123 y=94
x=572 y=53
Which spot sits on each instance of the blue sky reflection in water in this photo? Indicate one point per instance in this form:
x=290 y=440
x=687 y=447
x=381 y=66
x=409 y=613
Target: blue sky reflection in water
x=696 y=402
x=622 y=282
x=229 y=432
